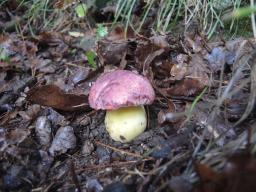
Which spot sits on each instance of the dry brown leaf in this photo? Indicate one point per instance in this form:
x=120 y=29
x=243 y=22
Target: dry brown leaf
x=146 y=52
x=53 y=96
x=12 y=137
x=30 y=113
x=206 y=173
x=58 y=43
x=160 y=41
x=118 y=33
x=111 y=53
x=186 y=87
x=62 y=4
x=238 y=175
x=170 y=114
x=180 y=70
x=113 y=49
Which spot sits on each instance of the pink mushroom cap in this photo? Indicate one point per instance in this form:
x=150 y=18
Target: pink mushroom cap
x=120 y=88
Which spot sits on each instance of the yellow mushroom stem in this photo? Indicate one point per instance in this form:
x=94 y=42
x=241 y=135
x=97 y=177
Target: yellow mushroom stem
x=126 y=123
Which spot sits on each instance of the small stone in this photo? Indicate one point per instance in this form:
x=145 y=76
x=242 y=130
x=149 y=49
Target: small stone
x=64 y=140
x=116 y=187
x=103 y=154
x=88 y=148
x=43 y=130
x=94 y=185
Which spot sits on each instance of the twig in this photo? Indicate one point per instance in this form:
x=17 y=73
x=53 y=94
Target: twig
x=103 y=166
x=123 y=151
x=74 y=177
x=148 y=178
x=179 y=157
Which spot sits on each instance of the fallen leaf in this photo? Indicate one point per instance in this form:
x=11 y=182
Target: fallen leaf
x=30 y=113
x=12 y=137
x=57 y=43
x=145 y=53
x=170 y=114
x=237 y=175
x=53 y=96
x=90 y=58
x=180 y=69
x=194 y=41
x=186 y=87
x=79 y=75
x=81 y=10
x=160 y=41
x=206 y=173
x=111 y=53
x=118 y=34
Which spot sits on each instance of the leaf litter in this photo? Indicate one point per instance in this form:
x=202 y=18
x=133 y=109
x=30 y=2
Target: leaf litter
x=51 y=140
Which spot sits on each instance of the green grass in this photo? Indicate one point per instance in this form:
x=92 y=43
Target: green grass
x=241 y=28
x=193 y=105
x=207 y=13
x=44 y=16
x=165 y=15
x=36 y=16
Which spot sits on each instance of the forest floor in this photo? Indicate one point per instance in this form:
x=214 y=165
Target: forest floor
x=201 y=132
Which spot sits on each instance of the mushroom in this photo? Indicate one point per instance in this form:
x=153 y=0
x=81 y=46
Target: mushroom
x=123 y=94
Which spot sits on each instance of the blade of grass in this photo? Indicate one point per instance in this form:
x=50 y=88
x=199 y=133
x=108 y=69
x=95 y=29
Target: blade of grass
x=145 y=15
x=169 y=16
x=129 y=16
x=191 y=109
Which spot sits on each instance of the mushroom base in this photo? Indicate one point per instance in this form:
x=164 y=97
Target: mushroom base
x=125 y=124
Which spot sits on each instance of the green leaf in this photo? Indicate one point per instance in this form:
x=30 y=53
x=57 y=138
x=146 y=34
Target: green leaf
x=101 y=31
x=3 y=55
x=81 y=10
x=90 y=57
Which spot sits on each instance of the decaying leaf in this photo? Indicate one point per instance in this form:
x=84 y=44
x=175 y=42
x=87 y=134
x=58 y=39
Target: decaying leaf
x=186 y=87
x=146 y=52
x=194 y=41
x=111 y=53
x=160 y=41
x=57 y=43
x=171 y=114
x=113 y=48
x=188 y=80
x=53 y=96
x=81 y=74
x=30 y=113
x=238 y=175
x=118 y=34
x=12 y=137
